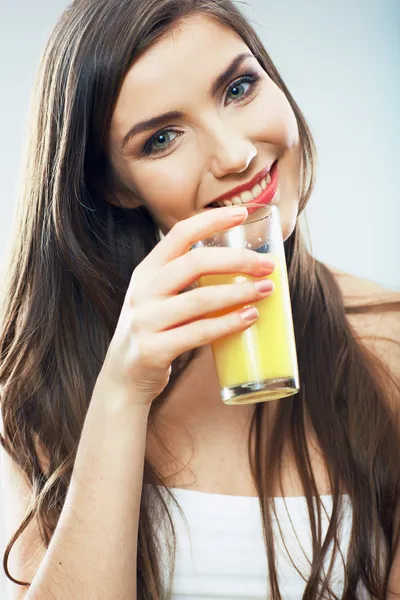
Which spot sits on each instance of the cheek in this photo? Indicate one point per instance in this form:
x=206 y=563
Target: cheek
x=163 y=184
x=274 y=119
x=280 y=129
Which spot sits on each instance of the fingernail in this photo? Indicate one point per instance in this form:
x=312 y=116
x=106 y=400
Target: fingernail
x=239 y=212
x=264 y=285
x=249 y=313
x=266 y=262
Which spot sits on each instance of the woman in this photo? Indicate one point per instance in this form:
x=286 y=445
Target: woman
x=110 y=401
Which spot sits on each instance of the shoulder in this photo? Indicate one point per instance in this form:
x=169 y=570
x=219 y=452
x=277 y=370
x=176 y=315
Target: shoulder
x=360 y=291
x=378 y=328
x=380 y=331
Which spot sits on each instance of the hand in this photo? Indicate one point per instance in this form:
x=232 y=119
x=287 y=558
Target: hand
x=157 y=323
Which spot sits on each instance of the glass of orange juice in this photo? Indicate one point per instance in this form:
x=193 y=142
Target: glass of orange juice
x=259 y=363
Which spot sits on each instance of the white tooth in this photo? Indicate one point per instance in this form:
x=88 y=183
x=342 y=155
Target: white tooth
x=256 y=191
x=246 y=196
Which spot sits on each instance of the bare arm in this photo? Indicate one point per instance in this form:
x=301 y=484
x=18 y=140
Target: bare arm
x=92 y=554
x=93 y=550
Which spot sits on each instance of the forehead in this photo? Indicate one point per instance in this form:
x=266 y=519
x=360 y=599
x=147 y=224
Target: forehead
x=165 y=76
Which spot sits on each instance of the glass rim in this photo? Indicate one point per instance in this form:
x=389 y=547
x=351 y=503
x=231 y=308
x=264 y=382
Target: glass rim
x=272 y=209
x=272 y=212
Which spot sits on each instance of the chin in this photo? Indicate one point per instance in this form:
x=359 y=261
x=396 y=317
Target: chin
x=288 y=210
x=288 y=228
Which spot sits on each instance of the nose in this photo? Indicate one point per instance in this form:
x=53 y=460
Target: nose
x=231 y=152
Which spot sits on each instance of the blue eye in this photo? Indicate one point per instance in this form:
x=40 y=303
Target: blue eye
x=243 y=86
x=236 y=89
x=160 y=141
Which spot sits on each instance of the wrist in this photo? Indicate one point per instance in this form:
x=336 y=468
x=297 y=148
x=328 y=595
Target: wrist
x=116 y=400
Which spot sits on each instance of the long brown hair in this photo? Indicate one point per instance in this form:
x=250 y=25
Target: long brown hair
x=69 y=267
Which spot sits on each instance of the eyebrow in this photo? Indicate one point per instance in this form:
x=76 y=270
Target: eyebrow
x=216 y=85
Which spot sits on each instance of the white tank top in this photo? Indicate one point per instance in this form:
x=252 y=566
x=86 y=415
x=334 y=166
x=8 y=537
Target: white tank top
x=221 y=552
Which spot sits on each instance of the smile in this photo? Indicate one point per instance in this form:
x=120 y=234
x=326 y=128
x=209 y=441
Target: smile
x=261 y=191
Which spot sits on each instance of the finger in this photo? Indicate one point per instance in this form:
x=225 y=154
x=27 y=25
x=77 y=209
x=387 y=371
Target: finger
x=194 y=304
x=186 y=269
x=167 y=345
x=187 y=232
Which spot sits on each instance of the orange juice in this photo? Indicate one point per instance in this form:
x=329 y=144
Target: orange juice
x=262 y=359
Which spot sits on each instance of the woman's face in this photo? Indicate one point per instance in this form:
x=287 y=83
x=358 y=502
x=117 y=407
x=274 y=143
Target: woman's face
x=220 y=136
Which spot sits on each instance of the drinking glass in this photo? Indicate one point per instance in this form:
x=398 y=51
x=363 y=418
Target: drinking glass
x=259 y=363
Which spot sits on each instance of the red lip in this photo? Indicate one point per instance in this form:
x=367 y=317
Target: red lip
x=266 y=195
x=245 y=186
